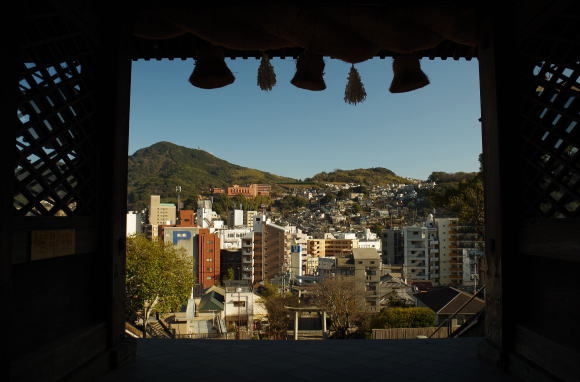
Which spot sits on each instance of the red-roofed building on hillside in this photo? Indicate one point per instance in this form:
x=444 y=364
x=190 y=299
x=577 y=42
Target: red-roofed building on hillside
x=250 y=191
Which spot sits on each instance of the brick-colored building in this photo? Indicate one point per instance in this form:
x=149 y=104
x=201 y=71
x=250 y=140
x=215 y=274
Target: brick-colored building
x=208 y=265
x=186 y=218
x=250 y=191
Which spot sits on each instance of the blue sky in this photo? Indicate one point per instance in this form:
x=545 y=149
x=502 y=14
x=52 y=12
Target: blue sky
x=298 y=133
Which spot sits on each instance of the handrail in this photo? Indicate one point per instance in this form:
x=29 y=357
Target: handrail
x=458 y=310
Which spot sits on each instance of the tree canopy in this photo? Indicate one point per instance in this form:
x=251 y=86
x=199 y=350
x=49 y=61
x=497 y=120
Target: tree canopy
x=291 y=202
x=401 y=317
x=159 y=277
x=279 y=318
x=341 y=300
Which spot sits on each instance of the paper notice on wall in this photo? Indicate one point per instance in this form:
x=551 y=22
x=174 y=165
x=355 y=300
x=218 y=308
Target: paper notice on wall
x=47 y=244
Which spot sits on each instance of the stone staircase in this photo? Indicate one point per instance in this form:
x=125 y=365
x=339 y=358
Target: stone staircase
x=156 y=330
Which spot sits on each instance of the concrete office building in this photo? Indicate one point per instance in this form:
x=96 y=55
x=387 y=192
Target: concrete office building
x=367 y=275
x=331 y=247
x=202 y=246
x=161 y=213
x=392 y=246
x=416 y=253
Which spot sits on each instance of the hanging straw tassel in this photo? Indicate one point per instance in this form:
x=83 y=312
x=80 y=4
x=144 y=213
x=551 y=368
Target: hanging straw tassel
x=355 y=90
x=266 y=75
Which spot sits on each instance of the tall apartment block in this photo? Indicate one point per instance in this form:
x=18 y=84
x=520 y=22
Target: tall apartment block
x=248 y=257
x=450 y=255
x=367 y=276
x=208 y=266
x=416 y=243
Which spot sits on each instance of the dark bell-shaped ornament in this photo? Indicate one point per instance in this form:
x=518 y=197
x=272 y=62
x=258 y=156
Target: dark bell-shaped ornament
x=309 y=72
x=211 y=71
x=407 y=75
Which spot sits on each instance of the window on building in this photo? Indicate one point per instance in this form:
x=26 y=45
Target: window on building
x=209 y=269
x=209 y=259
x=209 y=242
x=208 y=277
x=241 y=304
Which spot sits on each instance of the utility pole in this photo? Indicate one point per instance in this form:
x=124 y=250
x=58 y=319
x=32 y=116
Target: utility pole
x=178 y=191
x=239 y=317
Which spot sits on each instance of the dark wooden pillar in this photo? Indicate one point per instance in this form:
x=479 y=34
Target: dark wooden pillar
x=112 y=67
x=498 y=87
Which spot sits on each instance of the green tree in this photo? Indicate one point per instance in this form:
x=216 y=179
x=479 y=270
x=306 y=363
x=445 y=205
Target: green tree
x=355 y=209
x=343 y=195
x=291 y=202
x=327 y=198
x=399 y=317
x=468 y=203
x=159 y=277
x=377 y=228
x=230 y=274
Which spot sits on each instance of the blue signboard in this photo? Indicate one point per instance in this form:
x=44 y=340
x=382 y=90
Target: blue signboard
x=181 y=235
x=296 y=248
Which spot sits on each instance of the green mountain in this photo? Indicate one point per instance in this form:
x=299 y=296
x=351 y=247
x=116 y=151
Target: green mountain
x=159 y=168
x=367 y=176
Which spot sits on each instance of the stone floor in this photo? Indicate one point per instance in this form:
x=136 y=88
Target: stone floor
x=430 y=360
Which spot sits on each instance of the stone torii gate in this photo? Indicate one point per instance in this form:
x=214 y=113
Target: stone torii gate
x=308 y=309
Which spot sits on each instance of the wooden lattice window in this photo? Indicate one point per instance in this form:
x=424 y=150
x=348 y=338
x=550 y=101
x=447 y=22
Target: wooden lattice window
x=550 y=132
x=54 y=166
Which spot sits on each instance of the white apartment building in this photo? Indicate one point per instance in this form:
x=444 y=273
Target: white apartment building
x=134 y=223
x=205 y=215
x=416 y=253
x=235 y=218
x=418 y=261
x=231 y=238
x=248 y=257
x=370 y=240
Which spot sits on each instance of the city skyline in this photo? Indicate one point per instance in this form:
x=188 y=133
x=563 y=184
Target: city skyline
x=297 y=133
